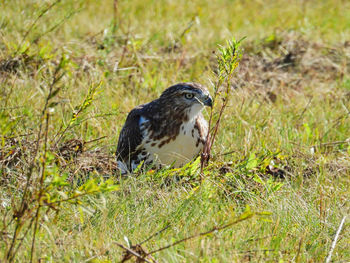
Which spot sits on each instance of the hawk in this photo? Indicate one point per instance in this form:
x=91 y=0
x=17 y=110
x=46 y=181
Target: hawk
x=170 y=130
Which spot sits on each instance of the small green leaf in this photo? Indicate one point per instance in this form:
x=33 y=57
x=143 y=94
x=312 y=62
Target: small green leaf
x=128 y=242
x=252 y=162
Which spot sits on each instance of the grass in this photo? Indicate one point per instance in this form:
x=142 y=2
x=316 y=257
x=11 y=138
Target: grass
x=282 y=148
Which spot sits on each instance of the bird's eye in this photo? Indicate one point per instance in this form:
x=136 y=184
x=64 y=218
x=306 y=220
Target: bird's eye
x=189 y=96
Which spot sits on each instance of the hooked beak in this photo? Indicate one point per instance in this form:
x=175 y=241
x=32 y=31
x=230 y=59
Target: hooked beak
x=208 y=102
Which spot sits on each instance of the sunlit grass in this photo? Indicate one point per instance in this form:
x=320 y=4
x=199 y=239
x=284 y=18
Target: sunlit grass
x=282 y=148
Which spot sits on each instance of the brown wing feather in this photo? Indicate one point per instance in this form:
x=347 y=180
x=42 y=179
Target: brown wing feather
x=130 y=137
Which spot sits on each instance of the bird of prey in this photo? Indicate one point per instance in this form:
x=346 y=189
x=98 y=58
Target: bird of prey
x=170 y=130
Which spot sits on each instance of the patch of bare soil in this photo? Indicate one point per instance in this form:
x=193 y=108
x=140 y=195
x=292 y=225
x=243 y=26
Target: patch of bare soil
x=290 y=62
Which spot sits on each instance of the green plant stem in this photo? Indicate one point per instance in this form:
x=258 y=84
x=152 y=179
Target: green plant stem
x=41 y=183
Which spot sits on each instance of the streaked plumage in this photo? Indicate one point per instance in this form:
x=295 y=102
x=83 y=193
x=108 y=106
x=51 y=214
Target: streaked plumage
x=170 y=130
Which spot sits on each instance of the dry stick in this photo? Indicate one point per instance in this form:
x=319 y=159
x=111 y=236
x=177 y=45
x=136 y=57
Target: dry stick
x=328 y=259
x=115 y=14
x=299 y=249
x=132 y=252
x=97 y=139
x=203 y=234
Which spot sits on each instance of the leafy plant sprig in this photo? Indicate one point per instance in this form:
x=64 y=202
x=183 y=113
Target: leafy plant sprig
x=228 y=59
x=86 y=103
x=45 y=188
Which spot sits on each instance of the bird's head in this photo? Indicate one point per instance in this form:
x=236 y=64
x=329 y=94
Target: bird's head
x=187 y=97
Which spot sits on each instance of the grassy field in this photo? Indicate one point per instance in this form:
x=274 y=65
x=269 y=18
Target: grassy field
x=278 y=185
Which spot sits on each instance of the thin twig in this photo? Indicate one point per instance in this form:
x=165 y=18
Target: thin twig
x=331 y=143
x=255 y=251
x=203 y=233
x=304 y=110
x=328 y=259
x=43 y=12
x=258 y=239
x=54 y=27
x=228 y=60
x=86 y=103
x=337 y=121
x=115 y=15
x=69 y=127
x=228 y=153
x=10 y=255
x=206 y=149
x=17 y=136
x=125 y=47
x=156 y=233
x=299 y=249
x=97 y=139
x=23 y=237
x=12 y=108
x=132 y=252
x=41 y=183
x=70 y=198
